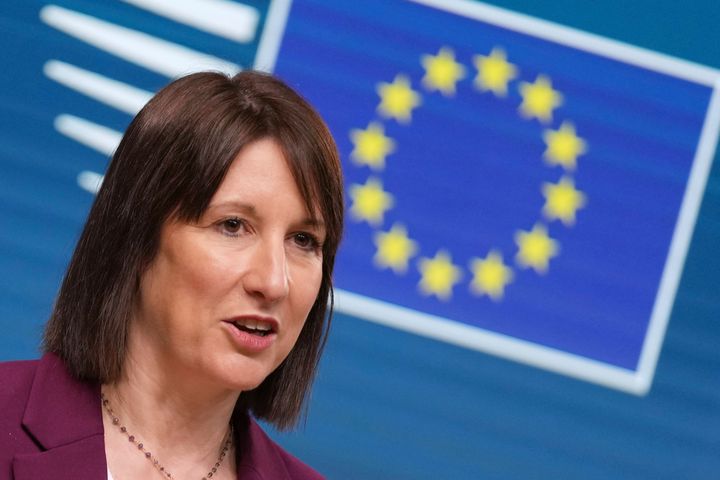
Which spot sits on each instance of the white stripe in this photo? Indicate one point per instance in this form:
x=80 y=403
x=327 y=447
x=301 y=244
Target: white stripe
x=272 y=35
x=682 y=235
x=578 y=39
x=489 y=342
x=101 y=139
x=231 y=20
x=157 y=55
x=121 y=96
x=91 y=182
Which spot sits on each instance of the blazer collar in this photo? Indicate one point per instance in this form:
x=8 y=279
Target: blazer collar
x=64 y=417
x=259 y=456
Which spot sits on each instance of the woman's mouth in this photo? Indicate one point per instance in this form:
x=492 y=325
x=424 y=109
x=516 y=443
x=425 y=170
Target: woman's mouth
x=253 y=327
x=252 y=333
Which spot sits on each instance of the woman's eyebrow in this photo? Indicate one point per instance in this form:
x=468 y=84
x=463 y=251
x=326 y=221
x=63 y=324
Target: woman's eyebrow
x=246 y=208
x=251 y=210
x=313 y=222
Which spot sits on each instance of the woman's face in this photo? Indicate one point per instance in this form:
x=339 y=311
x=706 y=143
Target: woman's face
x=225 y=299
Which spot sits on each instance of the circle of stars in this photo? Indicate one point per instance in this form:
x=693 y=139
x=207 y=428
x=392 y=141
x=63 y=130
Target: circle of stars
x=494 y=75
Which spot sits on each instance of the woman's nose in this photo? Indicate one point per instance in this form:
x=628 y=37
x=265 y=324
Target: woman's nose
x=266 y=276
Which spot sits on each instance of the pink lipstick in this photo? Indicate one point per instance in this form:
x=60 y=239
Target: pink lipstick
x=252 y=333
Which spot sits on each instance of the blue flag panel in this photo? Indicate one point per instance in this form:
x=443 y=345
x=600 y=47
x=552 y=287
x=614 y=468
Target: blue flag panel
x=506 y=192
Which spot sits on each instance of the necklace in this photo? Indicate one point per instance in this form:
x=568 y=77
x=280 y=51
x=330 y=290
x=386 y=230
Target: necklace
x=141 y=447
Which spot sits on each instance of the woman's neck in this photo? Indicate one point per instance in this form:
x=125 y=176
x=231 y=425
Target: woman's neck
x=180 y=419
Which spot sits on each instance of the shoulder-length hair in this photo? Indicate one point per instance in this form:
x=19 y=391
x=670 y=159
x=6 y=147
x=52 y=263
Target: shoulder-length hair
x=171 y=160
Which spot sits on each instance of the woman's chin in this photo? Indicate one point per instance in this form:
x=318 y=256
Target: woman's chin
x=245 y=385
x=244 y=375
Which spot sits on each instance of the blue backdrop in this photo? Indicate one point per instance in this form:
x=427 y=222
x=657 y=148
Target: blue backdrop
x=389 y=403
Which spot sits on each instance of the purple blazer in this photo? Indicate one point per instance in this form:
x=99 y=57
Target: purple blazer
x=51 y=428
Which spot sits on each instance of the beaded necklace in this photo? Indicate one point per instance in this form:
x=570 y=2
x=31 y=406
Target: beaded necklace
x=142 y=449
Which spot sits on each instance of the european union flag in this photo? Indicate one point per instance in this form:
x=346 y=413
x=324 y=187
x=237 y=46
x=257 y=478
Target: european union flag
x=513 y=186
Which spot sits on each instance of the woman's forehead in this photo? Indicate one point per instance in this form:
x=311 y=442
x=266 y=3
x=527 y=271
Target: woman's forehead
x=262 y=173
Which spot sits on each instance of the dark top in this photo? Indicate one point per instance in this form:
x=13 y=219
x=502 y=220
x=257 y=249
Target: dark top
x=51 y=428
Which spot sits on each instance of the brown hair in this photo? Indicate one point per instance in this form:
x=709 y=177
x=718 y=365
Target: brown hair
x=171 y=160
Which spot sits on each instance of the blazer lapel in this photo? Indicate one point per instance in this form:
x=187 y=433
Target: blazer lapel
x=259 y=457
x=64 y=417
x=67 y=462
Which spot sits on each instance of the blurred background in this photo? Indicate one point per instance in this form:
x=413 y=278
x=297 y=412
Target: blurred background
x=529 y=286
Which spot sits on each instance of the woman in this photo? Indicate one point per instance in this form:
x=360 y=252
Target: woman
x=196 y=296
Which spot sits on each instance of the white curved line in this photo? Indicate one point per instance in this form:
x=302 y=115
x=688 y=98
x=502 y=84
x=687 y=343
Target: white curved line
x=157 y=55
x=589 y=42
x=504 y=346
x=98 y=137
x=231 y=20
x=272 y=35
x=90 y=181
x=680 y=243
x=119 y=95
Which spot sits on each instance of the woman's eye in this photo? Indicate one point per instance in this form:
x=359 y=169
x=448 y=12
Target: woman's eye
x=306 y=241
x=231 y=226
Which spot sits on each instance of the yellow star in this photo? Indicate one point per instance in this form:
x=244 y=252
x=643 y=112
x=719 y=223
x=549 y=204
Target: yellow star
x=442 y=72
x=562 y=200
x=370 y=201
x=535 y=248
x=494 y=72
x=397 y=99
x=394 y=249
x=490 y=275
x=539 y=99
x=563 y=146
x=438 y=275
x=371 y=146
